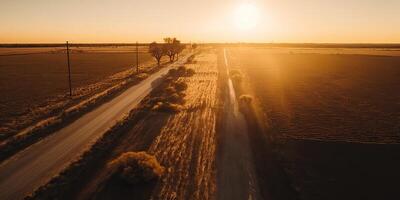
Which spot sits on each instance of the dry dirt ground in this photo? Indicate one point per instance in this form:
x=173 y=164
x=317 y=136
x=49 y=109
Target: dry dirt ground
x=332 y=120
x=335 y=119
x=327 y=97
x=183 y=142
x=205 y=147
x=36 y=83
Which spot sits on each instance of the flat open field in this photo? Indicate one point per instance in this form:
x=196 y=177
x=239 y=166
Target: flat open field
x=28 y=76
x=326 y=96
x=186 y=149
x=335 y=118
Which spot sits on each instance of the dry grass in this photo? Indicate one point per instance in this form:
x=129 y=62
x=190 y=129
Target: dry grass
x=245 y=99
x=61 y=185
x=180 y=86
x=136 y=167
x=183 y=142
x=187 y=150
x=186 y=144
x=326 y=97
x=56 y=115
x=181 y=71
x=236 y=75
x=327 y=112
x=36 y=85
x=169 y=97
x=166 y=107
x=51 y=124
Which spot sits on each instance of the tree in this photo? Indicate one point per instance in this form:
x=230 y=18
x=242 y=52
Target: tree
x=157 y=51
x=178 y=48
x=173 y=48
x=169 y=48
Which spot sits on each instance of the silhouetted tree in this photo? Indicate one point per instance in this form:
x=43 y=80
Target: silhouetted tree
x=178 y=48
x=157 y=51
x=169 y=48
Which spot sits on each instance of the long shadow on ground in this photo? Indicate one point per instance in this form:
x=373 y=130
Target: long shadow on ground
x=339 y=170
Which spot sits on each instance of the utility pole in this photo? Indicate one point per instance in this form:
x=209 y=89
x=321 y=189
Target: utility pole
x=69 y=71
x=137 y=58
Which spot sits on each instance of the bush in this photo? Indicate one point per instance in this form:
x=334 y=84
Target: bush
x=136 y=167
x=233 y=72
x=170 y=90
x=180 y=86
x=190 y=72
x=236 y=75
x=245 y=99
x=142 y=75
x=166 y=107
x=181 y=71
x=175 y=98
x=236 y=78
x=173 y=72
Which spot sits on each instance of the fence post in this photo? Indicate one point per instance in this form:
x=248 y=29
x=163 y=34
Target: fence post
x=69 y=71
x=137 y=58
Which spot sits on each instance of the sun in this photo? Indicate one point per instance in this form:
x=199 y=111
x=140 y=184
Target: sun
x=246 y=16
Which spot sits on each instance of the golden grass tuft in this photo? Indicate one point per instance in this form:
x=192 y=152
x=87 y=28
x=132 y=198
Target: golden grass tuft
x=166 y=107
x=181 y=71
x=236 y=75
x=180 y=86
x=245 y=99
x=136 y=167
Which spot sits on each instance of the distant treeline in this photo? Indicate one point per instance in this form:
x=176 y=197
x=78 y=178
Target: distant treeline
x=71 y=45
x=310 y=45
x=299 y=45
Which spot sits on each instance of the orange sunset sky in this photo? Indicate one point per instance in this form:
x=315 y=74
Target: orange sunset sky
x=340 y=21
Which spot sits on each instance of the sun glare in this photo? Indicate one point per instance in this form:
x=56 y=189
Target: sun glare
x=246 y=16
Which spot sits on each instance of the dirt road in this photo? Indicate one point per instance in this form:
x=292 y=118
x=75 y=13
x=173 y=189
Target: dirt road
x=236 y=177
x=27 y=170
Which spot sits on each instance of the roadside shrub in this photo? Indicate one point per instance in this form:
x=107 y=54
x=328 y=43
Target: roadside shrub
x=142 y=75
x=170 y=90
x=170 y=95
x=180 y=86
x=191 y=59
x=136 y=167
x=190 y=72
x=233 y=72
x=245 y=99
x=175 y=98
x=236 y=75
x=166 y=107
x=245 y=102
x=236 y=78
x=181 y=71
x=173 y=72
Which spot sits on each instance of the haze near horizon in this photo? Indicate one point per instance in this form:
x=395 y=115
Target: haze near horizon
x=314 y=21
